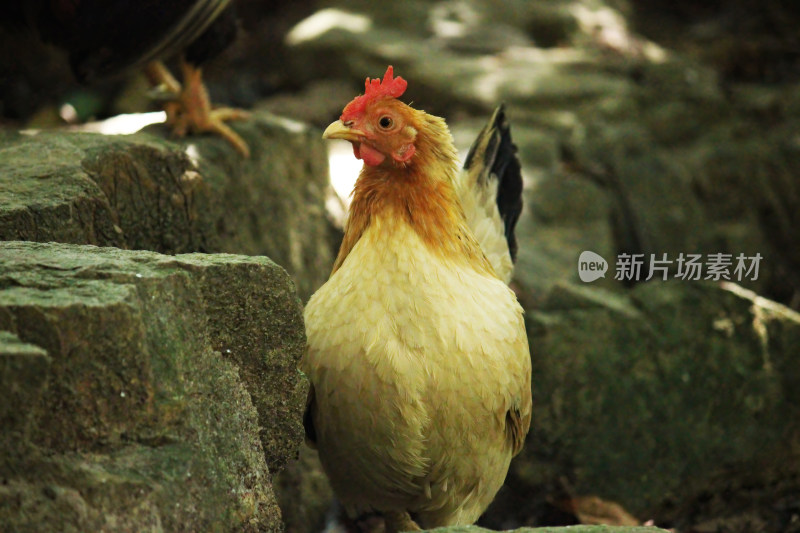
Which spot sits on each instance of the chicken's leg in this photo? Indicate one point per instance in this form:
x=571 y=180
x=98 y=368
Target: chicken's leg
x=188 y=107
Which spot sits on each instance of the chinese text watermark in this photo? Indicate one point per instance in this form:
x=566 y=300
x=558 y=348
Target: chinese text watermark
x=634 y=267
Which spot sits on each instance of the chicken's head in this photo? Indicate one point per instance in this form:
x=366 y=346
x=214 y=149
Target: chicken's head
x=380 y=127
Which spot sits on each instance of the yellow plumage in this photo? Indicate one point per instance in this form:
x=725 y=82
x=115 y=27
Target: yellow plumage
x=415 y=366
x=417 y=352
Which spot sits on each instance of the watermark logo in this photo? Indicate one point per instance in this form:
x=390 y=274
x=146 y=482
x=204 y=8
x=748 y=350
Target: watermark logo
x=633 y=267
x=591 y=266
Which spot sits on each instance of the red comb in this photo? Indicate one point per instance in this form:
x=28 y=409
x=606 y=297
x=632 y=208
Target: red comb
x=389 y=87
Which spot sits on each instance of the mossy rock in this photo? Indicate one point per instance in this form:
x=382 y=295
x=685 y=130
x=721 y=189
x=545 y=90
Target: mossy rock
x=649 y=397
x=147 y=192
x=145 y=392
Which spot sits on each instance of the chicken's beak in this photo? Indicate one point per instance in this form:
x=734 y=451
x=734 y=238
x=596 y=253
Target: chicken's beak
x=338 y=130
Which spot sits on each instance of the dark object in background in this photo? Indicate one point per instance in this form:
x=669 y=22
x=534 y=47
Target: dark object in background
x=103 y=38
x=745 y=40
x=36 y=78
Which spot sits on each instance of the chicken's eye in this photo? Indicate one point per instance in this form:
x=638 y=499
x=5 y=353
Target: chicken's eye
x=386 y=122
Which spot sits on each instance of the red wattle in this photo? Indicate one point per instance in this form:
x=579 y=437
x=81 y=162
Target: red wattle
x=370 y=155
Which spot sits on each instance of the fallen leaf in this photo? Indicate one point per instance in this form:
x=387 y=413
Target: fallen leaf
x=595 y=510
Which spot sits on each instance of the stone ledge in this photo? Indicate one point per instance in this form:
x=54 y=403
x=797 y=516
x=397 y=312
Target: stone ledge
x=145 y=391
x=143 y=191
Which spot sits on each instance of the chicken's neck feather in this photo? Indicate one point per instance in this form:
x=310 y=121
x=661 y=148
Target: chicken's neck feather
x=422 y=194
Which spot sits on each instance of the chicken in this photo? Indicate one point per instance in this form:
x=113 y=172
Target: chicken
x=103 y=38
x=417 y=353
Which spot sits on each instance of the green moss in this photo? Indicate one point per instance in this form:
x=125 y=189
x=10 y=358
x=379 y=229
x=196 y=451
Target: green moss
x=638 y=406
x=141 y=419
x=144 y=192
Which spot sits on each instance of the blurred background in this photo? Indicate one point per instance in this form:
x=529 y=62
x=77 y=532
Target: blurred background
x=678 y=116
x=643 y=127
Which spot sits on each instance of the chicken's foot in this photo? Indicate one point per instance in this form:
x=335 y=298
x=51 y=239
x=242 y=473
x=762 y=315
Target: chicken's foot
x=188 y=106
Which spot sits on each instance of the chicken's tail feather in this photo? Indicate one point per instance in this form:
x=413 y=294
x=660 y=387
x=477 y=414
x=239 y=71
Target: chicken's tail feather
x=492 y=166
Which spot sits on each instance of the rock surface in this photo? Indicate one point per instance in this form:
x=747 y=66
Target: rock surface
x=304 y=494
x=675 y=384
x=143 y=392
x=144 y=192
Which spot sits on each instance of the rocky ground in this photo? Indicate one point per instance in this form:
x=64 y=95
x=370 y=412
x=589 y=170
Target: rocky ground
x=643 y=127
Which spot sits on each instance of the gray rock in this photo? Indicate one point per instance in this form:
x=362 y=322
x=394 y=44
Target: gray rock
x=563 y=216
x=304 y=494
x=196 y=195
x=650 y=396
x=145 y=392
x=23 y=367
x=748 y=188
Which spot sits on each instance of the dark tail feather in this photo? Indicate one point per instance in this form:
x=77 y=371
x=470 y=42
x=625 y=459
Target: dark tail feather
x=499 y=161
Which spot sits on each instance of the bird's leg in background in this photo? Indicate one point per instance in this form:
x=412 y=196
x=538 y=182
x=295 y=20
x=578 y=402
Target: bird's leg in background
x=188 y=106
x=167 y=86
x=199 y=116
x=399 y=521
